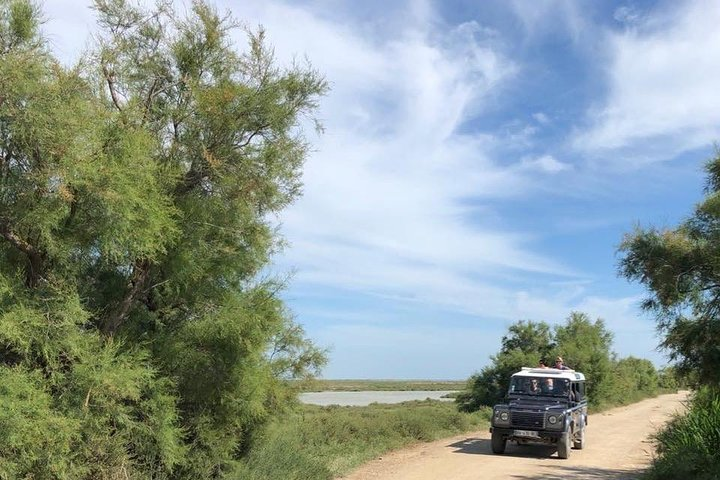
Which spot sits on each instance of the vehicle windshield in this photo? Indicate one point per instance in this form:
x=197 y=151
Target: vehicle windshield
x=539 y=386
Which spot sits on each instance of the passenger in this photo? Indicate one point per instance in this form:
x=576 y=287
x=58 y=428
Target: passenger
x=563 y=387
x=560 y=364
x=534 y=386
x=547 y=386
x=542 y=364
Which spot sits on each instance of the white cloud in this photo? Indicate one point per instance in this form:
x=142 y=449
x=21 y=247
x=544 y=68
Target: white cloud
x=663 y=97
x=385 y=205
x=67 y=34
x=545 y=164
x=627 y=14
x=370 y=349
x=541 y=118
x=541 y=17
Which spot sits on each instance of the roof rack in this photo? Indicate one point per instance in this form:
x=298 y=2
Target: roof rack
x=546 y=370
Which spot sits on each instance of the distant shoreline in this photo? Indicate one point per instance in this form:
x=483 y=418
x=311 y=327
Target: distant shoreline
x=363 y=385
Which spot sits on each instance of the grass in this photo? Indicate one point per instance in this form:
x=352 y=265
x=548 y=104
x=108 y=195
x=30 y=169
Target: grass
x=382 y=385
x=687 y=446
x=316 y=443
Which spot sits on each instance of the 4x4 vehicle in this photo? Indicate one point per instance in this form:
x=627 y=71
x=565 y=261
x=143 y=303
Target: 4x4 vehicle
x=544 y=405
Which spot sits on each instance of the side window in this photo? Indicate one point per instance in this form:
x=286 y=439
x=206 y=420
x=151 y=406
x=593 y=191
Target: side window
x=580 y=391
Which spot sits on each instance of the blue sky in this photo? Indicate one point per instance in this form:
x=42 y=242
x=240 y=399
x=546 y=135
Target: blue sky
x=480 y=165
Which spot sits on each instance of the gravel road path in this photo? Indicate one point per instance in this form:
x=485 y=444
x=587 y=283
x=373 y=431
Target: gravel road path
x=617 y=447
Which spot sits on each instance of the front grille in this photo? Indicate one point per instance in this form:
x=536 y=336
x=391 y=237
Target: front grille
x=534 y=420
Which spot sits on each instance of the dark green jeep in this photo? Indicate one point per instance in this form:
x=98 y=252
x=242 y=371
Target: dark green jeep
x=544 y=405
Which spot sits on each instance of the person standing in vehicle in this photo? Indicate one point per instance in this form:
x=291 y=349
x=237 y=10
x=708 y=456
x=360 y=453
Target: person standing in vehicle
x=560 y=364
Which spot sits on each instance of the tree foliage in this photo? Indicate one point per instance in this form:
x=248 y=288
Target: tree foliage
x=137 y=199
x=524 y=345
x=586 y=346
x=680 y=267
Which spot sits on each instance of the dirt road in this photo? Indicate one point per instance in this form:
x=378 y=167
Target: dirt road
x=617 y=447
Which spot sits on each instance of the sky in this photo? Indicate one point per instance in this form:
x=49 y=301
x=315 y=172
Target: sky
x=480 y=164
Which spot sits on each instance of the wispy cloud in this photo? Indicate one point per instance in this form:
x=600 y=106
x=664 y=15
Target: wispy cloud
x=663 y=97
x=386 y=196
x=397 y=199
x=627 y=14
x=542 y=17
x=545 y=164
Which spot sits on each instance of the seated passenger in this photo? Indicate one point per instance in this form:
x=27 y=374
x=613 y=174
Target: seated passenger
x=534 y=387
x=547 y=386
x=561 y=388
x=572 y=393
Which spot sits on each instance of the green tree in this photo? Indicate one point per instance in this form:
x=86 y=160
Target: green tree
x=529 y=337
x=586 y=347
x=137 y=197
x=680 y=267
x=524 y=345
x=631 y=379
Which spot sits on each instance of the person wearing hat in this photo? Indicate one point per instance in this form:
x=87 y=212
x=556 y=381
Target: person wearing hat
x=560 y=365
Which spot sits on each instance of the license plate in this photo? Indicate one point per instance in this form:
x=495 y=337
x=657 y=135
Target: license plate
x=525 y=433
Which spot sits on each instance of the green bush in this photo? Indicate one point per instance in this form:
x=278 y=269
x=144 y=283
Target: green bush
x=688 y=446
x=631 y=380
x=282 y=455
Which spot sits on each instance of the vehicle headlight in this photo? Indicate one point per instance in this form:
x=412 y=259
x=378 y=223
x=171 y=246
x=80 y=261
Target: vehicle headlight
x=552 y=419
x=502 y=416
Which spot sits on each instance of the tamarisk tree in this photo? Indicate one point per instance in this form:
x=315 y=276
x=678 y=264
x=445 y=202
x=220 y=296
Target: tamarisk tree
x=680 y=267
x=138 y=200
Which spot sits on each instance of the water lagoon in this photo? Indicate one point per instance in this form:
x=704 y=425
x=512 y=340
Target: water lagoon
x=362 y=399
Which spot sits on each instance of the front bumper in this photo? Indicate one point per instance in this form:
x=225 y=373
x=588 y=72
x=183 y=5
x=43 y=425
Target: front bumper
x=542 y=435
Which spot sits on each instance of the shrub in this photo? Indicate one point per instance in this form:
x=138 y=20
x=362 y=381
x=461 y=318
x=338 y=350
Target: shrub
x=687 y=446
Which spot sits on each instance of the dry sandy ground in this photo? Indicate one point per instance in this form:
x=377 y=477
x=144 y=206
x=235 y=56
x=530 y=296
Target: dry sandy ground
x=617 y=447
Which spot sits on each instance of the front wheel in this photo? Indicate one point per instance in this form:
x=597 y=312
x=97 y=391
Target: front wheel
x=563 y=445
x=579 y=442
x=498 y=442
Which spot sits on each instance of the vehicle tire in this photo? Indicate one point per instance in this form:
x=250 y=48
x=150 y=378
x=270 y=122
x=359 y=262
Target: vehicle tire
x=579 y=443
x=563 y=445
x=498 y=442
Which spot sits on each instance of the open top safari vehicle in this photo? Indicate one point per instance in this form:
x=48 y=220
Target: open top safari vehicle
x=544 y=405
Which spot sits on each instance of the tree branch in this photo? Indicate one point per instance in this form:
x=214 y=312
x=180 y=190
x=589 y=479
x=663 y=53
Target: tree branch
x=34 y=255
x=109 y=78
x=251 y=136
x=149 y=98
x=136 y=286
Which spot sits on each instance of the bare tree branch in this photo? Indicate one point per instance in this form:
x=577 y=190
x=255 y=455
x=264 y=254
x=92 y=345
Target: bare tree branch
x=110 y=79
